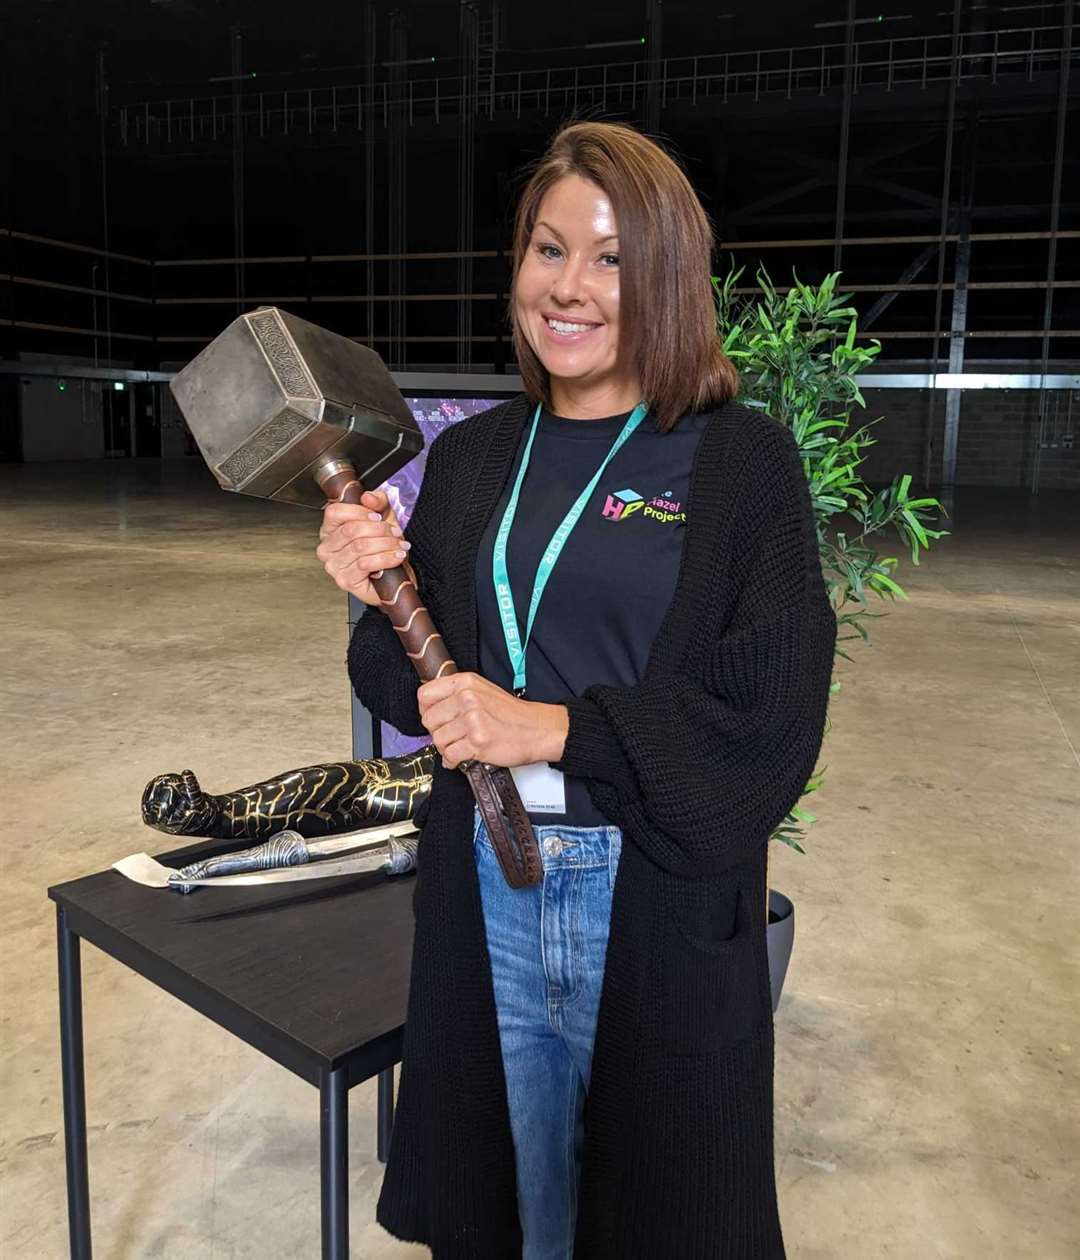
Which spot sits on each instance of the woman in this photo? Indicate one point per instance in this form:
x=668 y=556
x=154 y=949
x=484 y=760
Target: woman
x=623 y=564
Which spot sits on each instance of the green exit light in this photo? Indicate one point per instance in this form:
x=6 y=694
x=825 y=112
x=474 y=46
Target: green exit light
x=61 y=386
x=118 y=384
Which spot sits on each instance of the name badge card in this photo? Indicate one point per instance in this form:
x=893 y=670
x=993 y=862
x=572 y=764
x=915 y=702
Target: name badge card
x=541 y=787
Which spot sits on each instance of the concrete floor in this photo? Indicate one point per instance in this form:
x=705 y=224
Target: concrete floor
x=926 y=1084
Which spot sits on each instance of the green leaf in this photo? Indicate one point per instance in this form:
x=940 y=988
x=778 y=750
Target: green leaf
x=879 y=580
x=734 y=333
x=792 y=844
x=915 y=525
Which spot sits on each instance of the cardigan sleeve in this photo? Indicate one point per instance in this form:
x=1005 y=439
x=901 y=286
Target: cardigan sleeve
x=382 y=676
x=700 y=767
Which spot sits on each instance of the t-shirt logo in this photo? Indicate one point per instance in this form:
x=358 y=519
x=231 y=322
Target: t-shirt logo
x=624 y=503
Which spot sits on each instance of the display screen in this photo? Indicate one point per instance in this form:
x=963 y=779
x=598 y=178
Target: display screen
x=432 y=415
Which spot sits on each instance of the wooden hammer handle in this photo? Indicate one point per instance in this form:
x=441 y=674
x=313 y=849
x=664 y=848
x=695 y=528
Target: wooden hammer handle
x=505 y=817
x=399 y=597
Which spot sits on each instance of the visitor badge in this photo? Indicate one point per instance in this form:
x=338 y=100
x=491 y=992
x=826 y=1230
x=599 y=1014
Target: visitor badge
x=542 y=788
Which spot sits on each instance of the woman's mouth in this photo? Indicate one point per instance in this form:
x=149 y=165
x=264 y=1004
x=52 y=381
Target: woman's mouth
x=568 y=330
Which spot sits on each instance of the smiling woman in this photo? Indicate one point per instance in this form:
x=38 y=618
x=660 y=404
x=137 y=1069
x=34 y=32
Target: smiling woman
x=567 y=299
x=612 y=300
x=623 y=564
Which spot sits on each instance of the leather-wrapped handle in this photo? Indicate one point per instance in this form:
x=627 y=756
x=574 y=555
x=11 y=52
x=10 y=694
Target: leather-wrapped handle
x=287 y=848
x=507 y=821
x=397 y=593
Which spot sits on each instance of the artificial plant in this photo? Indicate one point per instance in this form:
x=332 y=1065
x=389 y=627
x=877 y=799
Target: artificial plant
x=797 y=360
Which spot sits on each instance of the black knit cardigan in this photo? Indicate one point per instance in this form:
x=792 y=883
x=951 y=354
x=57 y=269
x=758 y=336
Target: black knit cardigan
x=697 y=764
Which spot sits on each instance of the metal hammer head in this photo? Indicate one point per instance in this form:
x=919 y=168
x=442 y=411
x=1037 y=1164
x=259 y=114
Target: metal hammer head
x=273 y=399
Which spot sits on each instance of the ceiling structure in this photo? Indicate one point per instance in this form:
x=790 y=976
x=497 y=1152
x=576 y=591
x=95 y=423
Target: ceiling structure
x=177 y=131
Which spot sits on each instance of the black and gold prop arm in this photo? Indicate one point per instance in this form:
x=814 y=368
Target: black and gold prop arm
x=313 y=801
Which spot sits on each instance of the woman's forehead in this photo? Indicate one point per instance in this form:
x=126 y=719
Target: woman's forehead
x=575 y=204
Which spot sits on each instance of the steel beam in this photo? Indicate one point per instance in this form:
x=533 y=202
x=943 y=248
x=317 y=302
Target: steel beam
x=1051 y=257
x=239 y=249
x=845 y=135
x=397 y=124
x=944 y=225
x=366 y=122
x=654 y=48
x=468 y=54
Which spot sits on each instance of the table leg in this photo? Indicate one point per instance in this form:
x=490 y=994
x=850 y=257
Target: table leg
x=385 y=1120
x=74 y=1088
x=334 y=1159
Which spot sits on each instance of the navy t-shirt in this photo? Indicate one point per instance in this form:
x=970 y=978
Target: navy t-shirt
x=614 y=580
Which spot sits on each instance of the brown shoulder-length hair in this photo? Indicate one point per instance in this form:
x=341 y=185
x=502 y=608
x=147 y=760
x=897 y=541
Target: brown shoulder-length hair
x=667 y=316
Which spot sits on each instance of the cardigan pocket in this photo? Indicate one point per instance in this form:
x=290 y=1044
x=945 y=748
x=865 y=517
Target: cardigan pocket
x=712 y=993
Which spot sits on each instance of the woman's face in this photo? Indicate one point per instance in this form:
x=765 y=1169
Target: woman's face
x=567 y=292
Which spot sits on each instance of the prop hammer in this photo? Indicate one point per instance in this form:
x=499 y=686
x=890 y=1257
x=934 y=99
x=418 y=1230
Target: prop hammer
x=284 y=409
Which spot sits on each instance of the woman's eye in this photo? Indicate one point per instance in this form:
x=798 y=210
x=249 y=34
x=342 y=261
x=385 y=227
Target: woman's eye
x=611 y=259
x=543 y=250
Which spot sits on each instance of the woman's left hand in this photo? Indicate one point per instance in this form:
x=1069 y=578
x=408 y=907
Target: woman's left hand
x=472 y=719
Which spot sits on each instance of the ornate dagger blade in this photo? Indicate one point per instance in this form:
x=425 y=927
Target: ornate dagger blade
x=360 y=839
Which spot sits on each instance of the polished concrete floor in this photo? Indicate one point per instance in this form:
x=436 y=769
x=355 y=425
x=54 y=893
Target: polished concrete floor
x=926 y=1082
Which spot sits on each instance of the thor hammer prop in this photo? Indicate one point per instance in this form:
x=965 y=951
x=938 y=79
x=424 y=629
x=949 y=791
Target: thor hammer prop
x=283 y=409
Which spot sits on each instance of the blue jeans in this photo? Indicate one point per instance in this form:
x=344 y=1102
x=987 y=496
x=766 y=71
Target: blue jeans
x=547 y=946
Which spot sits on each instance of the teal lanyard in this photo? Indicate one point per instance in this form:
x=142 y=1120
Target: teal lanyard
x=503 y=595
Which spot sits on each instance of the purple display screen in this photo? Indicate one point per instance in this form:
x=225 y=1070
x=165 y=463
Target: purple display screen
x=432 y=415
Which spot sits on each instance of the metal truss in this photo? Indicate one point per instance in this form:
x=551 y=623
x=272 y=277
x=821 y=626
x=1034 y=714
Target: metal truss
x=1012 y=55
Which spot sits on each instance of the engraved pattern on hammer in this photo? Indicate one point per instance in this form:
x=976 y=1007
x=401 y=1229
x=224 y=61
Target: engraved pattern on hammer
x=278 y=348
x=259 y=449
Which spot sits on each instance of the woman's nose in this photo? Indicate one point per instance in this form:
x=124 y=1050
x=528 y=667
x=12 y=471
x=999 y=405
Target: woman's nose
x=569 y=283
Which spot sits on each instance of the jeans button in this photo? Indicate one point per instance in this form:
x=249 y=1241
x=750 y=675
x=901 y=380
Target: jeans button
x=553 y=846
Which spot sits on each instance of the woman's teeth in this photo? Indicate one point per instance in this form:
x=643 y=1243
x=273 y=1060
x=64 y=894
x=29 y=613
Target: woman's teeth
x=561 y=326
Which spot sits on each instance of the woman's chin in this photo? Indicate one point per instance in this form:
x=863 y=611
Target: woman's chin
x=571 y=369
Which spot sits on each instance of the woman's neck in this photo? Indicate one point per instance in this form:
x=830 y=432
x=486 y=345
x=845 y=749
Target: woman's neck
x=594 y=402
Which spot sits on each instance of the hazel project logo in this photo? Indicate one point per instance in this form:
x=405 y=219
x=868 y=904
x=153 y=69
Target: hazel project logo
x=663 y=509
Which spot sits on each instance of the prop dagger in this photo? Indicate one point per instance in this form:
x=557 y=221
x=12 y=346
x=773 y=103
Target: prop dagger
x=284 y=409
x=284 y=858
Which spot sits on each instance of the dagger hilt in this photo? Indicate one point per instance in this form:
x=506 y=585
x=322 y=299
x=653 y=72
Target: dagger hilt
x=403 y=851
x=287 y=848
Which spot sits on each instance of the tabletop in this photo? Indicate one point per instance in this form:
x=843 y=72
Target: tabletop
x=314 y=974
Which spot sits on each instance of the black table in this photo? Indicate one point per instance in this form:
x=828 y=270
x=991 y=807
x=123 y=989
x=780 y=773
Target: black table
x=315 y=975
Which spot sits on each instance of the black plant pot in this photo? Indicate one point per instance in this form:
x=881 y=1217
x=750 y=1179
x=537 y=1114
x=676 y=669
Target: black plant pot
x=779 y=937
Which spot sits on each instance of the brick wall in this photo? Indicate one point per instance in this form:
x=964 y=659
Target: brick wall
x=997 y=438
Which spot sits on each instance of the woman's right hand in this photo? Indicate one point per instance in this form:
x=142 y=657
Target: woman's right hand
x=357 y=541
